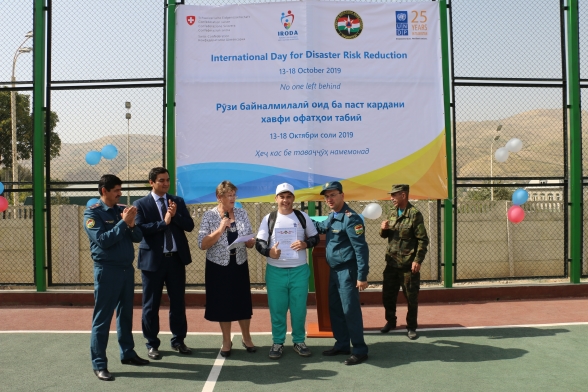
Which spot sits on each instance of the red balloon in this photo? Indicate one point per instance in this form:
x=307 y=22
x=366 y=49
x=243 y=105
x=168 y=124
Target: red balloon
x=516 y=214
x=3 y=204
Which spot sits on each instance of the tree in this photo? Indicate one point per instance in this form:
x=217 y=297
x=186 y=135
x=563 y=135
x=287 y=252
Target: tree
x=483 y=193
x=24 y=129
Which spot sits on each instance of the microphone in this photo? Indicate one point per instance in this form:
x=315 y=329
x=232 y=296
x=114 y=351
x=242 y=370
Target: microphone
x=226 y=216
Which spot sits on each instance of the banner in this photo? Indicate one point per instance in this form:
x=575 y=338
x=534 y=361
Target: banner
x=308 y=93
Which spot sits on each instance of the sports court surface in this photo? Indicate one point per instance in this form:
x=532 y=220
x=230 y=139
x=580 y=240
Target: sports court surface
x=484 y=346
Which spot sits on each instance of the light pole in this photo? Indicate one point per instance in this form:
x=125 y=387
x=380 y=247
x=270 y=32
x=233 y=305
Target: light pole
x=20 y=50
x=128 y=117
x=492 y=160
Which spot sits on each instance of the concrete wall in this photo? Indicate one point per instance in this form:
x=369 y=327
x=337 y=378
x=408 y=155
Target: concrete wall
x=487 y=246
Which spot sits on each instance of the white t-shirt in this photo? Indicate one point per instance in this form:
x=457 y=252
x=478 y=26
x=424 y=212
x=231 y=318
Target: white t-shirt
x=285 y=222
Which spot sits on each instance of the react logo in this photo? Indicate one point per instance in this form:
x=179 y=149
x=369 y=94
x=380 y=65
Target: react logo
x=287 y=20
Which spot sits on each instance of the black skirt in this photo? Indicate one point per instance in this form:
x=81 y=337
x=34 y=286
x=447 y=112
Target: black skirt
x=228 y=291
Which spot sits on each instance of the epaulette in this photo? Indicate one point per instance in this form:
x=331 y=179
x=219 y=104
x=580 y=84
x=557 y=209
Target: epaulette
x=94 y=206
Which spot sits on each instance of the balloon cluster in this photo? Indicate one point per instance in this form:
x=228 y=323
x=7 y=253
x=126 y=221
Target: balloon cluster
x=3 y=201
x=109 y=151
x=513 y=145
x=372 y=211
x=516 y=214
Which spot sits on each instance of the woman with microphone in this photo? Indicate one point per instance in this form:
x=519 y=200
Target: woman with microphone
x=228 y=291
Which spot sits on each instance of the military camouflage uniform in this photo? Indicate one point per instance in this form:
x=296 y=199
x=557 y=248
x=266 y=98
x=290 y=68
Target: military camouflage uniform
x=407 y=242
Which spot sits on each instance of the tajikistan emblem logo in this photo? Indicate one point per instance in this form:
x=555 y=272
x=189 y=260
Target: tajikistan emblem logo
x=287 y=20
x=348 y=24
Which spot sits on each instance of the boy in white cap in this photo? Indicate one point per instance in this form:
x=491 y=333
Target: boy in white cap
x=287 y=271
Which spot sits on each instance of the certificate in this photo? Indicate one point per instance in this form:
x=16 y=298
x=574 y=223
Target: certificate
x=240 y=242
x=285 y=237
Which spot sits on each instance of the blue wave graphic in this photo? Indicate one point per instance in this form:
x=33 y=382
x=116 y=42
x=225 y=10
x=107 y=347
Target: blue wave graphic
x=197 y=183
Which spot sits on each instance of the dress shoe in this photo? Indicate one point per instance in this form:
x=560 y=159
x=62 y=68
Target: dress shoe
x=153 y=353
x=183 y=349
x=104 y=375
x=412 y=335
x=386 y=328
x=335 y=351
x=249 y=349
x=226 y=354
x=136 y=360
x=355 y=359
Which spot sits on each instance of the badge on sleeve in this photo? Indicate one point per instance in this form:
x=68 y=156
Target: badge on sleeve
x=348 y=213
x=90 y=223
x=358 y=229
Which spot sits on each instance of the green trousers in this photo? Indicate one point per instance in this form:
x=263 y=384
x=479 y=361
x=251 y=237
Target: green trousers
x=394 y=279
x=287 y=288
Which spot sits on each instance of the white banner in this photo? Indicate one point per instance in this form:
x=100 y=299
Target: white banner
x=308 y=93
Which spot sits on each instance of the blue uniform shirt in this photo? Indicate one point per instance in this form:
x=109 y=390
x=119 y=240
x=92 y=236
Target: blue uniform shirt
x=346 y=240
x=111 y=240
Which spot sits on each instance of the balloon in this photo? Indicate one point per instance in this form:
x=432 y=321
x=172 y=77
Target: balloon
x=372 y=211
x=1 y=187
x=238 y=205
x=516 y=214
x=514 y=145
x=109 y=151
x=520 y=196
x=91 y=202
x=93 y=157
x=3 y=204
x=501 y=154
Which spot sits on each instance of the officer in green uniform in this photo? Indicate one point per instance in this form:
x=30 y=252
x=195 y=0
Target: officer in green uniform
x=112 y=231
x=348 y=257
x=407 y=247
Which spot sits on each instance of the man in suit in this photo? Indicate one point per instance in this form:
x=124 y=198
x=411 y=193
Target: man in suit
x=163 y=256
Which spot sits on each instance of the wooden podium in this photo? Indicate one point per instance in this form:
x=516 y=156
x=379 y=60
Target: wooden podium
x=321 y=270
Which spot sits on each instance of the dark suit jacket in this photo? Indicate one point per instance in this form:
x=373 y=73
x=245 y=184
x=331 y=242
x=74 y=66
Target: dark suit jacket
x=148 y=219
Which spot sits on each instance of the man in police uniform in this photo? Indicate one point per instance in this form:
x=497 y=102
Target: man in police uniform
x=348 y=257
x=111 y=229
x=407 y=247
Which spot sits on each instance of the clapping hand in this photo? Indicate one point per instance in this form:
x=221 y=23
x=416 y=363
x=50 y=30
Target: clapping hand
x=128 y=215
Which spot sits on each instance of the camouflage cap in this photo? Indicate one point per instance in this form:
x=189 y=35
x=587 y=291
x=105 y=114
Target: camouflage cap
x=329 y=186
x=399 y=188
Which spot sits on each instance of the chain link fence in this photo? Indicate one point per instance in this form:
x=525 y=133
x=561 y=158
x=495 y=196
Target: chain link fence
x=508 y=62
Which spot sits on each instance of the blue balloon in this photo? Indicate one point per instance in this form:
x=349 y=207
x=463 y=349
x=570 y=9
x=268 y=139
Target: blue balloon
x=109 y=151
x=519 y=197
x=1 y=187
x=91 y=202
x=93 y=157
x=238 y=205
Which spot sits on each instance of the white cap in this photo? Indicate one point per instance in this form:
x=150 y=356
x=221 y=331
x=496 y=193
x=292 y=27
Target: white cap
x=285 y=187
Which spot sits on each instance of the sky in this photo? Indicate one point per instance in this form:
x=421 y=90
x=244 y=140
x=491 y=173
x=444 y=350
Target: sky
x=111 y=39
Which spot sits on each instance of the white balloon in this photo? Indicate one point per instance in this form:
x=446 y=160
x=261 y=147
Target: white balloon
x=514 y=145
x=501 y=154
x=372 y=211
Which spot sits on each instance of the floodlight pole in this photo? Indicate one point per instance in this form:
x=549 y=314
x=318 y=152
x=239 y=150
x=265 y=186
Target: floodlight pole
x=128 y=117
x=491 y=162
x=19 y=50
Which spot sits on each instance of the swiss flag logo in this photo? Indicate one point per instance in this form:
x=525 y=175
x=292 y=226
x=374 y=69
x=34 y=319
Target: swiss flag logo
x=191 y=19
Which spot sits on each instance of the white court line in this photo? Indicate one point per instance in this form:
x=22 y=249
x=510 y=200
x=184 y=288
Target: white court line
x=366 y=332
x=215 y=371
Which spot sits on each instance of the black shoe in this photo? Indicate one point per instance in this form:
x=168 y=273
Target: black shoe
x=355 y=359
x=334 y=351
x=276 y=351
x=153 y=353
x=104 y=375
x=226 y=354
x=136 y=360
x=386 y=328
x=412 y=335
x=182 y=349
x=249 y=349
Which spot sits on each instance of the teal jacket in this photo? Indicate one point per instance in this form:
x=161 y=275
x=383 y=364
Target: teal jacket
x=111 y=240
x=346 y=244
